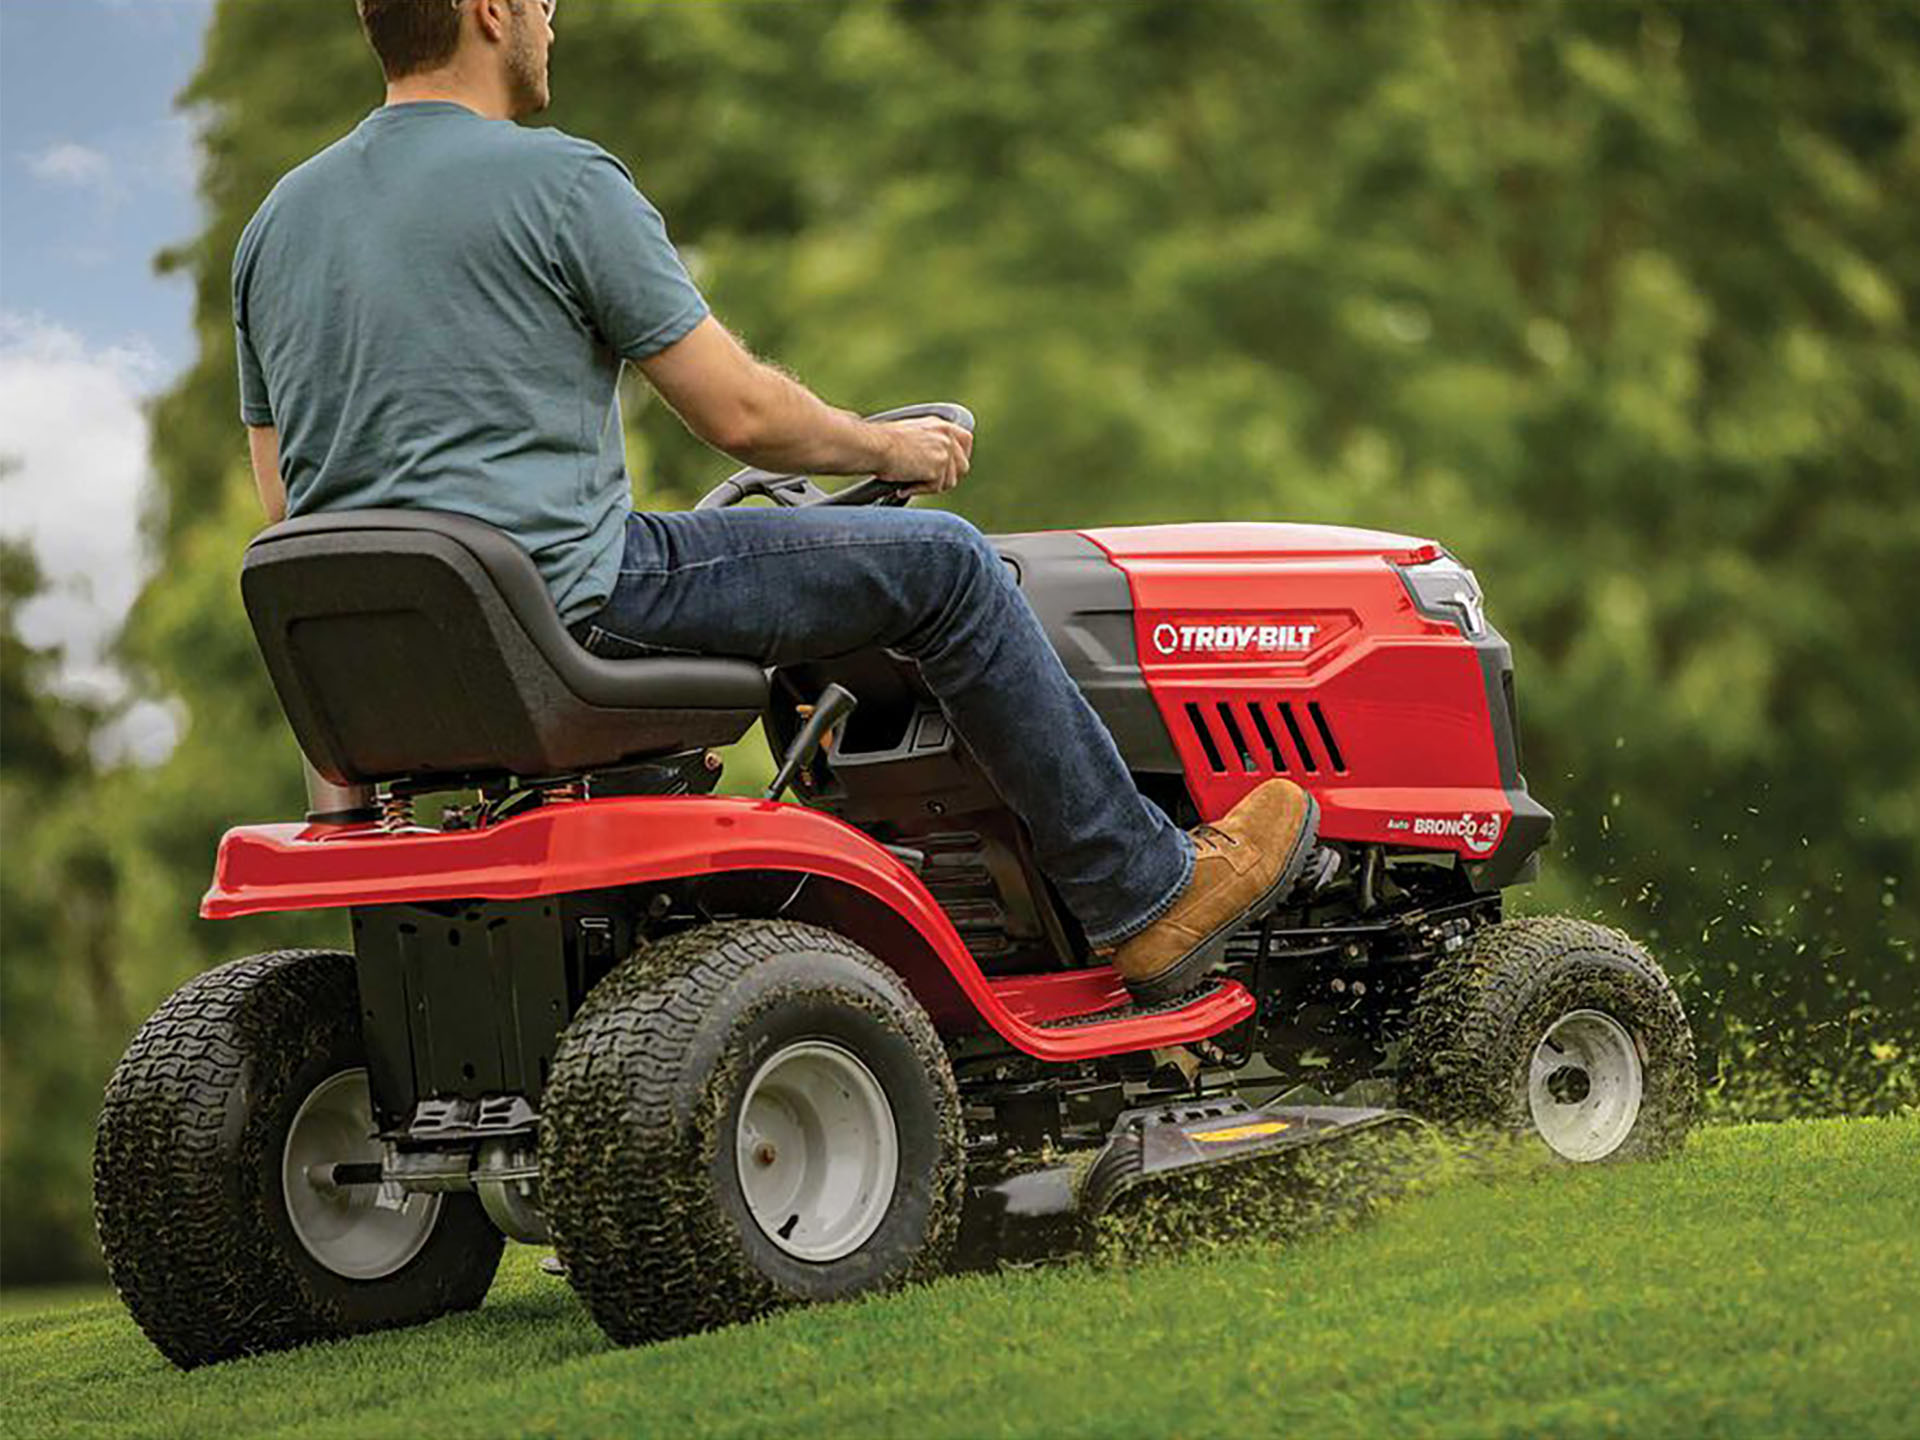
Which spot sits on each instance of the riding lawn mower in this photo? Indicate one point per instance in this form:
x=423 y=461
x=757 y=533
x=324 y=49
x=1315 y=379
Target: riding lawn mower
x=727 y=1053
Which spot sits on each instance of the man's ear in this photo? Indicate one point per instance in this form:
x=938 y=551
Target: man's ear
x=493 y=17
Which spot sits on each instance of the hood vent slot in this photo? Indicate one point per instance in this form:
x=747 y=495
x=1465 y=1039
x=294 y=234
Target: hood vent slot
x=1206 y=738
x=1282 y=738
x=1300 y=746
x=1236 y=740
x=1326 y=737
x=1274 y=754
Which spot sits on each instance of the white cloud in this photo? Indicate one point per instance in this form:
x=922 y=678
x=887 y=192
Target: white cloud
x=72 y=419
x=69 y=164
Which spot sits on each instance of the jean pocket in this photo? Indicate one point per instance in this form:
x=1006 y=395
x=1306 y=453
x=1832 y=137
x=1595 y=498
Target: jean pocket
x=611 y=646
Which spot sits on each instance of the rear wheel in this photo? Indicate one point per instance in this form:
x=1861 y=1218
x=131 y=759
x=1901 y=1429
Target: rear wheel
x=213 y=1170
x=1560 y=1029
x=744 y=1116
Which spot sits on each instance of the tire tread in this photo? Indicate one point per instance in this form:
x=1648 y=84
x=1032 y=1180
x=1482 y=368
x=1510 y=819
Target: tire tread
x=178 y=1147
x=1472 y=1006
x=622 y=1158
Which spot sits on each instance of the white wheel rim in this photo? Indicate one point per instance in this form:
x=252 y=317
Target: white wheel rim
x=361 y=1232
x=1585 y=1084
x=817 y=1151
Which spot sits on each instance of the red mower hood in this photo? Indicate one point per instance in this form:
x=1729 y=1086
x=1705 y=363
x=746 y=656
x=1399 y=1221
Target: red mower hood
x=1240 y=540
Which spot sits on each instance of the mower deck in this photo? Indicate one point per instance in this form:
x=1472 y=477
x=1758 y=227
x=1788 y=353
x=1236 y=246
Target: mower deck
x=1033 y=1211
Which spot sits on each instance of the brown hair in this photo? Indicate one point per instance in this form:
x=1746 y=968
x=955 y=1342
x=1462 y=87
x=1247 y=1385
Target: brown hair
x=411 y=35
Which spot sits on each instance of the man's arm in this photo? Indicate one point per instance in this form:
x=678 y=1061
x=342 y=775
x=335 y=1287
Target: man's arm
x=760 y=416
x=263 y=444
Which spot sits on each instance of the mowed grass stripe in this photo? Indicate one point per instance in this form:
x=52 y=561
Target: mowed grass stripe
x=1765 y=1283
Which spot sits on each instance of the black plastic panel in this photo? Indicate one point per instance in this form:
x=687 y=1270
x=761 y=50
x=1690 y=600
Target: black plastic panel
x=1086 y=605
x=1514 y=860
x=469 y=999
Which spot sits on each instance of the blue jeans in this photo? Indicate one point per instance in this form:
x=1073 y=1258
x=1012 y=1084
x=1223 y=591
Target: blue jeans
x=785 y=586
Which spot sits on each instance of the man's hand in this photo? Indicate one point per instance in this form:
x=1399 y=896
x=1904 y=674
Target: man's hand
x=927 y=455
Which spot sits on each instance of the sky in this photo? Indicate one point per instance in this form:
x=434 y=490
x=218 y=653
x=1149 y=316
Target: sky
x=97 y=171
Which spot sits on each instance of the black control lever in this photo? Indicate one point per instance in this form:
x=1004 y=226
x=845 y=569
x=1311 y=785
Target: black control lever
x=834 y=705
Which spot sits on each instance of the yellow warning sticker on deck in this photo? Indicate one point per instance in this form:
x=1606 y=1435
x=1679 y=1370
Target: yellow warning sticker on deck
x=1243 y=1132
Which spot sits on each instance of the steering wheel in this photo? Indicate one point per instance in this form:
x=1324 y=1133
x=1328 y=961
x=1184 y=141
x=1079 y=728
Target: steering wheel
x=793 y=491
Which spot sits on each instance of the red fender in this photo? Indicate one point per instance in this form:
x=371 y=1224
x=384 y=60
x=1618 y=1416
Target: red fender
x=597 y=844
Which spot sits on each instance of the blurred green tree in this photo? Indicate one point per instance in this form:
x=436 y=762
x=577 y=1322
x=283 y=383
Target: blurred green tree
x=60 y=991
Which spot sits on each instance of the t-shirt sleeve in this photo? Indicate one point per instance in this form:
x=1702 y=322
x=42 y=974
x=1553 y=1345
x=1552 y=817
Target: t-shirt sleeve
x=255 y=407
x=615 y=255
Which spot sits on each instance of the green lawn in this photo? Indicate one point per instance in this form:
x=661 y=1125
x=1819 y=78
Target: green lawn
x=1766 y=1283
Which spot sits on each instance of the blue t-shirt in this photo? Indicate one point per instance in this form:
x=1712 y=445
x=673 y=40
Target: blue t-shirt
x=434 y=311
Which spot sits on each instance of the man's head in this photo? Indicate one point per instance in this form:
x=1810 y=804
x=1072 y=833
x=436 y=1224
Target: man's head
x=493 y=45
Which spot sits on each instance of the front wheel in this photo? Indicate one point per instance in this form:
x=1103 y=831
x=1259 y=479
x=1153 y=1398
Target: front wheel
x=213 y=1166
x=1560 y=1029
x=747 y=1115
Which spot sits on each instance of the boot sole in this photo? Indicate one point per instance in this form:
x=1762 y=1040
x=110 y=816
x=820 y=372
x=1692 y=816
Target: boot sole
x=1191 y=968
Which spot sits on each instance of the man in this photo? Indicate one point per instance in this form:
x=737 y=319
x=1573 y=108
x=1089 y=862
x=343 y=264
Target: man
x=434 y=312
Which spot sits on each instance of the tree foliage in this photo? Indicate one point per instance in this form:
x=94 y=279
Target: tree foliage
x=59 y=993
x=1617 y=301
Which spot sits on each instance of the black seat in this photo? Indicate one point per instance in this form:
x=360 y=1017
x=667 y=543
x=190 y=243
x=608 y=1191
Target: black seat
x=410 y=643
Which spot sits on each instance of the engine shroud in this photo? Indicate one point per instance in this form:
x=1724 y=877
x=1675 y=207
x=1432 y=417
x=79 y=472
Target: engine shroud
x=1220 y=656
x=1299 y=650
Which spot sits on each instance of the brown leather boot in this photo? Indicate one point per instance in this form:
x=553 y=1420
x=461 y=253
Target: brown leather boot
x=1242 y=865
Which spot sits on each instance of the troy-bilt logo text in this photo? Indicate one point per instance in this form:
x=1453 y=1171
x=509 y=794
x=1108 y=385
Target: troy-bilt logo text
x=1171 y=639
x=1480 y=832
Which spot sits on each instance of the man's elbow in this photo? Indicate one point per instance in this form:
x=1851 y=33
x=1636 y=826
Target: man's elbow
x=738 y=428
x=729 y=434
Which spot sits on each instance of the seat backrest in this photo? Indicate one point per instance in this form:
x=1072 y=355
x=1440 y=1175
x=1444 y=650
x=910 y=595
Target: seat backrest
x=411 y=643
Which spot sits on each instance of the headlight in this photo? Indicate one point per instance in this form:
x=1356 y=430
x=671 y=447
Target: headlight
x=1444 y=589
